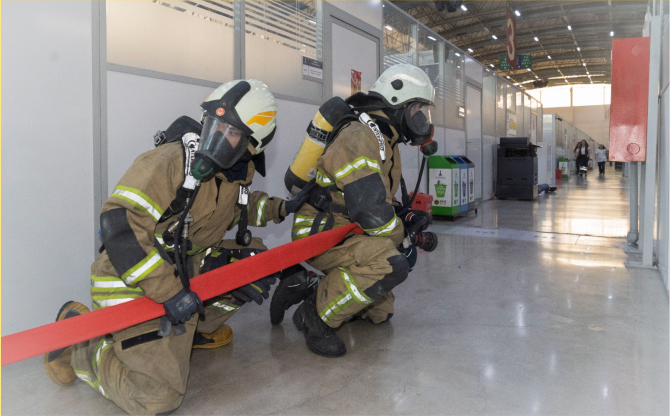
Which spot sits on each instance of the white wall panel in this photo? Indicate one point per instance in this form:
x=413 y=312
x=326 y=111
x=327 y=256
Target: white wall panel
x=47 y=160
x=369 y=11
x=137 y=107
x=663 y=205
x=172 y=37
x=489 y=151
x=343 y=43
x=473 y=128
x=454 y=142
x=474 y=70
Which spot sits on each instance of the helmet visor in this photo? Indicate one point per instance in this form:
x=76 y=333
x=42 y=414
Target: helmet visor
x=222 y=142
x=417 y=116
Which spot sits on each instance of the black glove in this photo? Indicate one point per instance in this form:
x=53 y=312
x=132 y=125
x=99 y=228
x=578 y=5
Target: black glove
x=182 y=306
x=410 y=253
x=417 y=221
x=256 y=291
x=294 y=204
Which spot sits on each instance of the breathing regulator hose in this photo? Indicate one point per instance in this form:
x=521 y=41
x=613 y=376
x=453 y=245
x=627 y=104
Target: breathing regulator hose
x=408 y=206
x=181 y=240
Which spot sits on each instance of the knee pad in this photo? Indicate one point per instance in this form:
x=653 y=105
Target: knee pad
x=398 y=275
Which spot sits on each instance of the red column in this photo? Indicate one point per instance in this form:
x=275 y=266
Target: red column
x=630 y=90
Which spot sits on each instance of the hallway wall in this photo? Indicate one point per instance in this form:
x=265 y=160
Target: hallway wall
x=593 y=120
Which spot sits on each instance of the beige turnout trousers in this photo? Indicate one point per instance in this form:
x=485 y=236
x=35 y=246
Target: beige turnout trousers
x=140 y=372
x=351 y=268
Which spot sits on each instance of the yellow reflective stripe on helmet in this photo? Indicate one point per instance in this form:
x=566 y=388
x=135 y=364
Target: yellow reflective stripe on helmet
x=335 y=307
x=385 y=229
x=143 y=268
x=138 y=199
x=260 y=214
x=358 y=295
x=322 y=180
x=360 y=163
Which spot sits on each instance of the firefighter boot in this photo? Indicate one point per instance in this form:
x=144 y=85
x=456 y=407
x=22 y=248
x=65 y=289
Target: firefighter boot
x=320 y=338
x=295 y=285
x=57 y=363
x=216 y=339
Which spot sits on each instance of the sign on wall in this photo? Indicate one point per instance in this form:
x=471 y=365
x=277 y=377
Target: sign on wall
x=312 y=69
x=355 y=81
x=510 y=24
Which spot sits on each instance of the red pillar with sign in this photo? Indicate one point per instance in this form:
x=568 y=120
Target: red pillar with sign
x=630 y=92
x=510 y=24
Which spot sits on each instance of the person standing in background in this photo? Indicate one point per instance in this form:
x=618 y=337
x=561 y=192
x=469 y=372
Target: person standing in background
x=601 y=158
x=582 y=154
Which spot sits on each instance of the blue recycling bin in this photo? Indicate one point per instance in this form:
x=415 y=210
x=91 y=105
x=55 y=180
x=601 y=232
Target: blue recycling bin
x=464 y=182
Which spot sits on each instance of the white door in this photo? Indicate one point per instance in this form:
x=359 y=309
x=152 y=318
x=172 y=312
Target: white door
x=473 y=133
x=352 y=51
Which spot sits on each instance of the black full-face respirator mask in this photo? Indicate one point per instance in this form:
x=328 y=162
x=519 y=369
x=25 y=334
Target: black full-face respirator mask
x=221 y=146
x=413 y=121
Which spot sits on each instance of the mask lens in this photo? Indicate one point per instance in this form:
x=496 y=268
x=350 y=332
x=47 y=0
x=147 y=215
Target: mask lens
x=222 y=142
x=418 y=118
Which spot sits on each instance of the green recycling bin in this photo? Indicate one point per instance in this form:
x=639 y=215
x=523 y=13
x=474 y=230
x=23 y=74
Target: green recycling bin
x=444 y=177
x=563 y=164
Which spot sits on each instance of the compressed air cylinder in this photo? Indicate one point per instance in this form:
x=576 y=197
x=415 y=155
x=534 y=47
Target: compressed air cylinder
x=303 y=168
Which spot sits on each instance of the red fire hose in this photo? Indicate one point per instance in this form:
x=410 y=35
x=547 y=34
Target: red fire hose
x=50 y=337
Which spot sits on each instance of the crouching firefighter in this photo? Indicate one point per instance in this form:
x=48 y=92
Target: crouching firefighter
x=163 y=224
x=358 y=175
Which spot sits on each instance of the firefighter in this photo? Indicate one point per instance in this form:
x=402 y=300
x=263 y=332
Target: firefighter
x=163 y=224
x=358 y=176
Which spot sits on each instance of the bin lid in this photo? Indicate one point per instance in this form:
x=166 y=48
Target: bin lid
x=466 y=160
x=442 y=162
x=458 y=160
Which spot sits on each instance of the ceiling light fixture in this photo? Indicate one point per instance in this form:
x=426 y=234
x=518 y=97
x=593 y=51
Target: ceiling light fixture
x=569 y=27
x=516 y=12
x=549 y=56
x=465 y=9
x=389 y=27
x=312 y=22
x=578 y=49
x=431 y=38
x=583 y=63
x=612 y=33
x=457 y=54
x=528 y=69
x=536 y=39
x=508 y=77
x=492 y=66
x=494 y=37
x=470 y=50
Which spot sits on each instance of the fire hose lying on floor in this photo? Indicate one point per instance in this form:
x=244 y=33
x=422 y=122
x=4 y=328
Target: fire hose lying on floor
x=50 y=337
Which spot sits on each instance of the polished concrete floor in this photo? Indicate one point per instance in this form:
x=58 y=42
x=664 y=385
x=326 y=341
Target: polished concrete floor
x=526 y=308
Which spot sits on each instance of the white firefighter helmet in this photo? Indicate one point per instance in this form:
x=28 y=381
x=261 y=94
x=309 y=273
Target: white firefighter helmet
x=403 y=83
x=239 y=116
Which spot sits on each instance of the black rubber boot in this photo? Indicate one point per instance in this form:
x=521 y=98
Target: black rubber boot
x=320 y=338
x=295 y=285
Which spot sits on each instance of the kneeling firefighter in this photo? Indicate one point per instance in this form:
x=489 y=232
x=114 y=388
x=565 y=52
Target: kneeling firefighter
x=163 y=224
x=358 y=175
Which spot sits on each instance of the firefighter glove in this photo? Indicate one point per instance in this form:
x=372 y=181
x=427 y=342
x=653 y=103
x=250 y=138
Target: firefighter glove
x=417 y=221
x=294 y=204
x=256 y=291
x=182 y=306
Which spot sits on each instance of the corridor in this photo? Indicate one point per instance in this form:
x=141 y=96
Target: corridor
x=526 y=308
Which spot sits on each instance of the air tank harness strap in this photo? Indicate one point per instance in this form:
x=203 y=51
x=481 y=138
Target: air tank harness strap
x=321 y=200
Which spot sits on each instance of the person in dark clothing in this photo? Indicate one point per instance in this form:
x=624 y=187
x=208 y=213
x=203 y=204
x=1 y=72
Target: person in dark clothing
x=582 y=154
